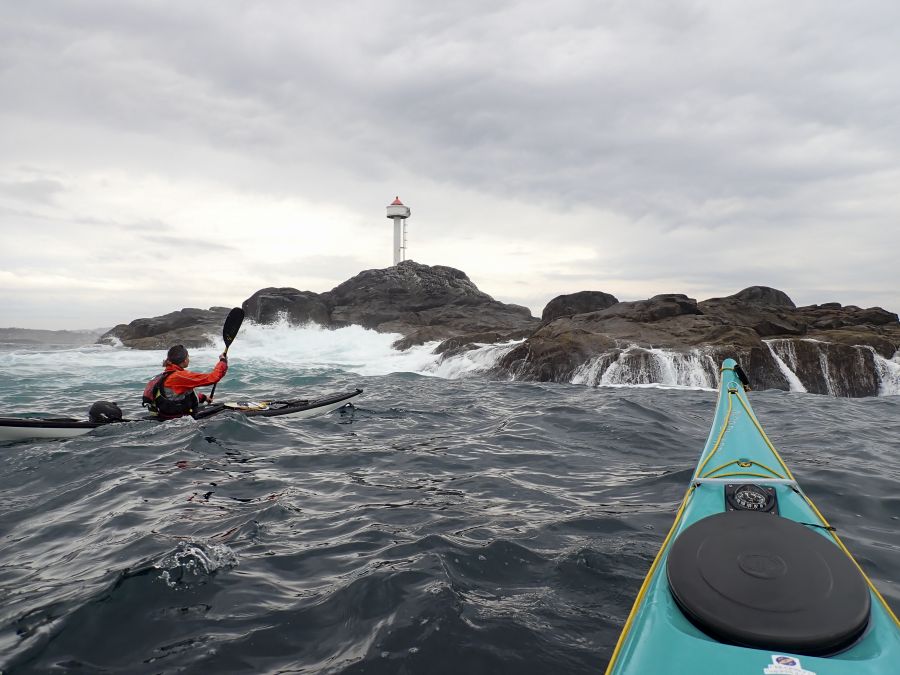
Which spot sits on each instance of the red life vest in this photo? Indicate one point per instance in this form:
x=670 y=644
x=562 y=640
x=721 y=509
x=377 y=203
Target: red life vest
x=164 y=402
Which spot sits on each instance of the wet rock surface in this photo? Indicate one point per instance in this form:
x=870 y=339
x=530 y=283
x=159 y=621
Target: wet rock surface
x=832 y=349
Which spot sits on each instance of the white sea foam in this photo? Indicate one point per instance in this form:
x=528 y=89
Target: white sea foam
x=472 y=362
x=786 y=360
x=353 y=349
x=660 y=367
x=193 y=562
x=889 y=372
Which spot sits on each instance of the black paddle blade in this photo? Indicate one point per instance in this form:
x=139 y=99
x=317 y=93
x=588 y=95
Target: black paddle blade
x=232 y=325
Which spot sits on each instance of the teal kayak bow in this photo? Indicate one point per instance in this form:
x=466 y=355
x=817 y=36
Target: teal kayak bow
x=751 y=578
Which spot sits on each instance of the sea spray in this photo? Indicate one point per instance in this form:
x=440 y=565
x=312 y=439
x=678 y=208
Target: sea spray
x=649 y=366
x=476 y=361
x=591 y=373
x=786 y=359
x=193 y=562
x=889 y=373
x=352 y=348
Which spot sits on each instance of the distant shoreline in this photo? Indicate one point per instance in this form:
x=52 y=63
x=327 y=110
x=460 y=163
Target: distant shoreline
x=37 y=336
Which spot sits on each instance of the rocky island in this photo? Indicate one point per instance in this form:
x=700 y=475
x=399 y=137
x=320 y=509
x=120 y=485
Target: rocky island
x=587 y=337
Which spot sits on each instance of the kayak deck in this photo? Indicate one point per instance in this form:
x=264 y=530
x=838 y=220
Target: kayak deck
x=24 y=428
x=659 y=638
x=298 y=408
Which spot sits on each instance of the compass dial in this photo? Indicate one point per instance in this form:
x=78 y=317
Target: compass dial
x=751 y=497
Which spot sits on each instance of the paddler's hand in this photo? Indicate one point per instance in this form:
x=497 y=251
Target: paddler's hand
x=223 y=357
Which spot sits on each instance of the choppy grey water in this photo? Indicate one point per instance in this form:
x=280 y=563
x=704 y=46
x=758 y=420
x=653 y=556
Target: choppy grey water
x=439 y=526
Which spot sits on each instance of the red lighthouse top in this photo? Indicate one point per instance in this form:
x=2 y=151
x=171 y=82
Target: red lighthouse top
x=397 y=202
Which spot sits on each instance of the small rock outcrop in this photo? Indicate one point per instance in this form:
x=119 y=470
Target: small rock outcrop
x=298 y=307
x=577 y=303
x=190 y=326
x=422 y=302
x=758 y=326
x=763 y=295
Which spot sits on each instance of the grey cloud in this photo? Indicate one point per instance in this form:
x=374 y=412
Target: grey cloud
x=662 y=108
x=40 y=190
x=187 y=244
x=744 y=122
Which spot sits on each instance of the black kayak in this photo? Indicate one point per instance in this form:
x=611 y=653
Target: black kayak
x=21 y=428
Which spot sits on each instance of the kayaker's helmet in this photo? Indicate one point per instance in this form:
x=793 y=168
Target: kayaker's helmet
x=177 y=354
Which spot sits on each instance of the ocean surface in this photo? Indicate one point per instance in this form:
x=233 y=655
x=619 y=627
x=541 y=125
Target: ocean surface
x=446 y=523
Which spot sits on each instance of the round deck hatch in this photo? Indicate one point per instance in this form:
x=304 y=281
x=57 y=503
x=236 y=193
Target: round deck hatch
x=763 y=581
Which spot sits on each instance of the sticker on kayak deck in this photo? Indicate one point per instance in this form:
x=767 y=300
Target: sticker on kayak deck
x=786 y=665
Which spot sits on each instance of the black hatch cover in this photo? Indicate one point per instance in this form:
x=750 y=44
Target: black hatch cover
x=760 y=580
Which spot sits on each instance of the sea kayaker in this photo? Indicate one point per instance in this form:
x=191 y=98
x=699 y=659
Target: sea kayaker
x=171 y=393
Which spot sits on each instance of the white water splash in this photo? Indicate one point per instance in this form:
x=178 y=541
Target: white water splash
x=472 y=362
x=353 y=349
x=823 y=364
x=192 y=562
x=359 y=350
x=889 y=372
x=259 y=348
x=591 y=373
x=786 y=347
x=658 y=367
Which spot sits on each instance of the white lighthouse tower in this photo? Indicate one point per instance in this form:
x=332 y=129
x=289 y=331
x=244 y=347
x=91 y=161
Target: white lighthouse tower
x=398 y=212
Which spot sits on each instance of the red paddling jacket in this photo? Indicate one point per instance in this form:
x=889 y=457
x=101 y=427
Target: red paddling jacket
x=171 y=393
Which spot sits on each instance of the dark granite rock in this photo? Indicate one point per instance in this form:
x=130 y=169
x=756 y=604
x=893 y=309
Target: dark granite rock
x=747 y=309
x=423 y=303
x=577 y=303
x=763 y=295
x=420 y=336
x=467 y=341
x=850 y=370
x=554 y=352
x=191 y=327
x=832 y=315
x=656 y=308
x=833 y=348
x=269 y=305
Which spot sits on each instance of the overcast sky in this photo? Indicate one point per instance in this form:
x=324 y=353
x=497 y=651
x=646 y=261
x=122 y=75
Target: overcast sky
x=160 y=155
